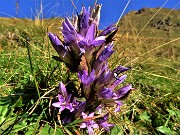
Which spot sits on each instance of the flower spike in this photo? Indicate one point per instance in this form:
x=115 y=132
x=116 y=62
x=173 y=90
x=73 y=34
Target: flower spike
x=86 y=51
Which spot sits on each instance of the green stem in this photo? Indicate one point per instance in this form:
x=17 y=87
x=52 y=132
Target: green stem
x=33 y=73
x=32 y=70
x=167 y=121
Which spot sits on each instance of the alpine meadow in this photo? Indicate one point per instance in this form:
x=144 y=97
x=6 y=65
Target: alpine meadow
x=65 y=76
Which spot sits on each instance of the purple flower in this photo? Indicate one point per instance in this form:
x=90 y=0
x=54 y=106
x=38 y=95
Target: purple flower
x=68 y=31
x=57 y=44
x=89 y=123
x=71 y=37
x=103 y=123
x=105 y=54
x=75 y=103
x=105 y=93
x=54 y=39
x=118 y=81
x=109 y=77
x=64 y=100
x=86 y=18
x=105 y=79
x=85 y=78
x=88 y=42
x=119 y=69
x=118 y=104
x=63 y=104
x=61 y=50
x=108 y=30
x=62 y=90
x=84 y=21
x=122 y=91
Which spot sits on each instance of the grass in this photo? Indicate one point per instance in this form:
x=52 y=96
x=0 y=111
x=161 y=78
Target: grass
x=29 y=77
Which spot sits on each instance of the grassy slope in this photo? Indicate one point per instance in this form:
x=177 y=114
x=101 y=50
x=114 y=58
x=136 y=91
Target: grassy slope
x=155 y=73
x=155 y=59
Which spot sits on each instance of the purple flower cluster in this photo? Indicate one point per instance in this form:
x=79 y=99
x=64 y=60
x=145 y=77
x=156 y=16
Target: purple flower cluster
x=85 y=51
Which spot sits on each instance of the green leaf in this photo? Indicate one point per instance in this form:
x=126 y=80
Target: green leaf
x=19 y=126
x=177 y=114
x=48 y=130
x=30 y=129
x=171 y=112
x=145 y=117
x=4 y=107
x=165 y=130
x=18 y=103
x=37 y=123
x=7 y=117
x=116 y=131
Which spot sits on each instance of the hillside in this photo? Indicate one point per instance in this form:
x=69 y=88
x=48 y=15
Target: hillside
x=155 y=22
x=153 y=31
x=163 y=23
